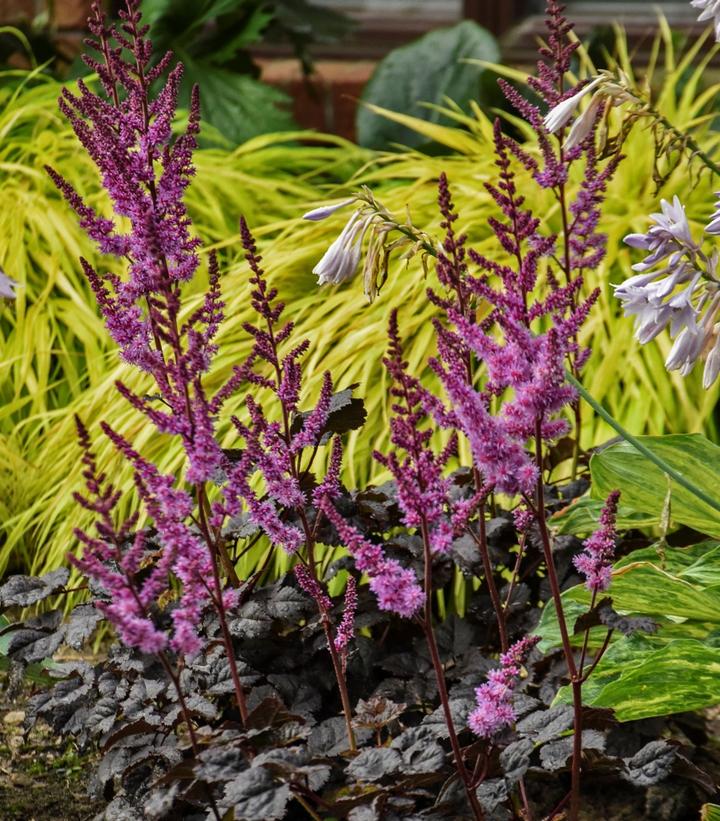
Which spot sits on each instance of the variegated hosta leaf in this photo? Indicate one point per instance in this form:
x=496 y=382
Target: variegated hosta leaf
x=678 y=667
x=638 y=679
x=644 y=486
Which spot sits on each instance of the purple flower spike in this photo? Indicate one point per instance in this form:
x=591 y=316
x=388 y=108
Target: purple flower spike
x=494 y=711
x=346 y=628
x=595 y=562
x=395 y=587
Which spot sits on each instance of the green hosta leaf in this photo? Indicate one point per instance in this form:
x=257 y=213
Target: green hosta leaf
x=428 y=70
x=710 y=812
x=644 y=486
x=641 y=682
x=582 y=517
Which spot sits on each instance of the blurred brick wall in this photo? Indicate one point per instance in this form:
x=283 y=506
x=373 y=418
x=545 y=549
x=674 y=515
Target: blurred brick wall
x=67 y=14
x=326 y=101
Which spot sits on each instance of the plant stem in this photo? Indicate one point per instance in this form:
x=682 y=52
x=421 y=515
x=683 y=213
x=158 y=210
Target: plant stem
x=188 y=721
x=220 y=609
x=638 y=445
x=342 y=683
x=337 y=665
x=481 y=542
x=562 y=622
x=440 y=680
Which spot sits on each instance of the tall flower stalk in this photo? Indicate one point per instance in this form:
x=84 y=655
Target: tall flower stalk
x=184 y=558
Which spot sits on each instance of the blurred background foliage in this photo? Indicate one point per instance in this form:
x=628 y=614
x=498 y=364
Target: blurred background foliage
x=56 y=357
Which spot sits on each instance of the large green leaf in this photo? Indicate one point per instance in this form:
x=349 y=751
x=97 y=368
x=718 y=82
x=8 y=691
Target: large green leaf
x=583 y=517
x=678 y=667
x=710 y=812
x=236 y=104
x=644 y=486
x=429 y=70
x=637 y=679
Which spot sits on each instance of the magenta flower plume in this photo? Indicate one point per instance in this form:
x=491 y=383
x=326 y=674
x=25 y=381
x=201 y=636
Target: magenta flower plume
x=395 y=586
x=312 y=587
x=145 y=172
x=595 y=562
x=346 y=628
x=422 y=490
x=494 y=711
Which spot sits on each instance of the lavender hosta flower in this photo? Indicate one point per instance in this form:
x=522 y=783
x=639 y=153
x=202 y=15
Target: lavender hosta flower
x=595 y=562
x=682 y=295
x=709 y=10
x=494 y=711
x=713 y=226
x=669 y=236
x=7 y=286
x=645 y=297
x=325 y=211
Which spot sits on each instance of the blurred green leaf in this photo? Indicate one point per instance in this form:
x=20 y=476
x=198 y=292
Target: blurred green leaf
x=239 y=106
x=429 y=70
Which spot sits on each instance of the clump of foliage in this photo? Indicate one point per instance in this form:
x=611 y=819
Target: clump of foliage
x=56 y=365
x=209 y=702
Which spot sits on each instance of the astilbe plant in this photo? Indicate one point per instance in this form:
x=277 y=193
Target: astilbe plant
x=503 y=373
x=507 y=329
x=127 y=131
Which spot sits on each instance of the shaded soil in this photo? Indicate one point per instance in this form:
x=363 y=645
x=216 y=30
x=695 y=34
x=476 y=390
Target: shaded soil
x=41 y=778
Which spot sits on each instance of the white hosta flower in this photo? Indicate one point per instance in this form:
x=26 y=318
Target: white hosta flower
x=559 y=116
x=325 y=211
x=608 y=90
x=710 y=10
x=7 y=286
x=341 y=259
x=583 y=125
x=687 y=348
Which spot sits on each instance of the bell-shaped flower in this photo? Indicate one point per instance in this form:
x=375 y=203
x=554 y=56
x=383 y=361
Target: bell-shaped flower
x=712 y=363
x=559 y=116
x=341 y=259
x=713 y=227
x=325 y=211
x=582 y=127
x=686 y=349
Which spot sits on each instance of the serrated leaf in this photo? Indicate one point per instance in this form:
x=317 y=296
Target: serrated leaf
x=375 y=763
x=650 y=765
x=554 y=756
x=81 y=625
x=23 y=591
x=254 y=794
x=545 y=725
x=515 y=759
